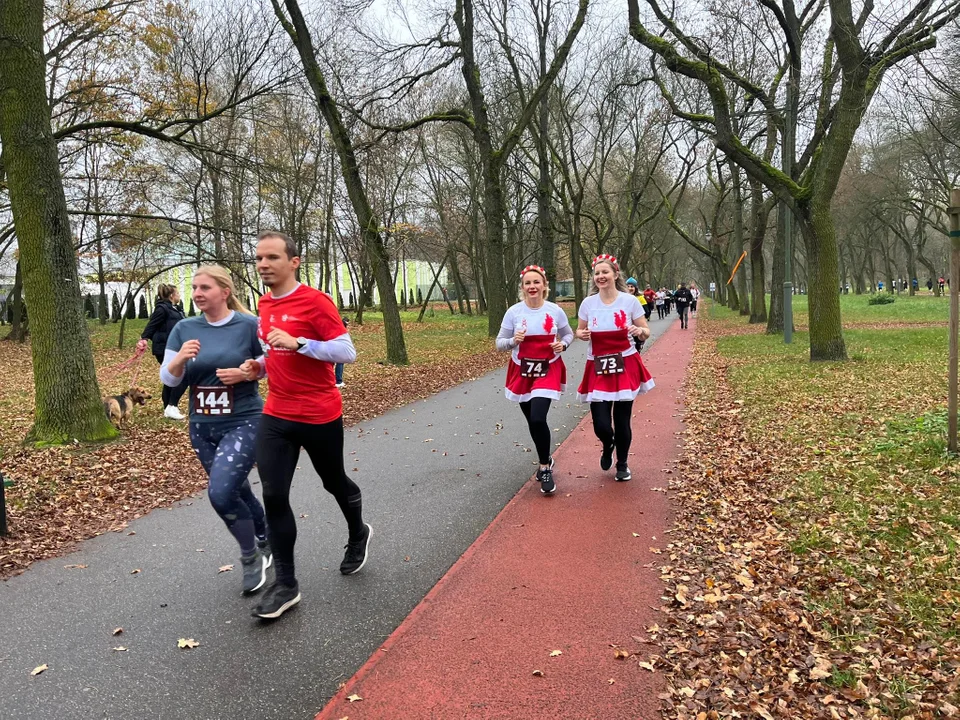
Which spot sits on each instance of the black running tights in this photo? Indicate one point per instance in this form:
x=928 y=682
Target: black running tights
x=619 y=432
x=171 y=395
x=278 y=451
x=535 y=410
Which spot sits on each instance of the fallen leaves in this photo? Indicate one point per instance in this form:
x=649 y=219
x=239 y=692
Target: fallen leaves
x=538 y=673
x=224 y=568
x=187 y=644
x=120 y=648
x=621 y=654
x=556 y=653
x=117 y=631
x=354 y=698
x=808 y=534
x=40 y=669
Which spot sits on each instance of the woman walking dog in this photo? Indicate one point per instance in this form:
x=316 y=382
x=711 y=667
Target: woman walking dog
x=165 y=316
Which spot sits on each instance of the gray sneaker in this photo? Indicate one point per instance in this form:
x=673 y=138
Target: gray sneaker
x=254 y=572
x=264 y=547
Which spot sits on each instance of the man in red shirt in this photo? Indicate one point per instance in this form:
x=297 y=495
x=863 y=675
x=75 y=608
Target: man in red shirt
x=302 y=338
x=650 y=296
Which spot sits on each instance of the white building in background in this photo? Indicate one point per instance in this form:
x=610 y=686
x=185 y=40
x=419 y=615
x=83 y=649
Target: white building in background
x=418 y=277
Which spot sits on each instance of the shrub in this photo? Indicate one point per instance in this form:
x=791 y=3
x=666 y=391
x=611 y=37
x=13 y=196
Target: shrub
x=881 y=299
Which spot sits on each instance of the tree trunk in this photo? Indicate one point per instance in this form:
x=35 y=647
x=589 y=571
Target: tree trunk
x=740 y=241
x=19 y=324
x=426 y=298
x=296 y=27
x=68 y=404
x=819 y=234
x=545 y=189
x=775 y=318
x=759 y=215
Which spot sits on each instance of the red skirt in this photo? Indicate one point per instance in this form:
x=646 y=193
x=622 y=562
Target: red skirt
x=521 y=389
x=634 y=380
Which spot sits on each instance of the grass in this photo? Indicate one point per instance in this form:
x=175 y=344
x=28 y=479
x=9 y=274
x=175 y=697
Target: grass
x=872 y=497
x=854 y=310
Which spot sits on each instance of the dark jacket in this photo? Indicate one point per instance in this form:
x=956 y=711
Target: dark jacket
x=683 y=297
x=158 y=328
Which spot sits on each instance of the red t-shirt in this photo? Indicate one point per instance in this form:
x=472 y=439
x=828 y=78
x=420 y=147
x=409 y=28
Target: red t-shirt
x=648 y=295
x=300 y=388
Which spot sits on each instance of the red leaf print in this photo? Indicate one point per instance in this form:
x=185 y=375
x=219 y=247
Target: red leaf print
x=620 y=318
x=548 y=324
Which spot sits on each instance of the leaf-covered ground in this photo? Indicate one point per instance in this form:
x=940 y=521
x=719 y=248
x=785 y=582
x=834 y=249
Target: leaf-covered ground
x=60 y=496
x=814 y=570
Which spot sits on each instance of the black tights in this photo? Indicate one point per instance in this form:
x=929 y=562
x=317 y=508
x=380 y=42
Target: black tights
x=619 y=432
x=278 y=451
x=171 y=395
x=535 y=410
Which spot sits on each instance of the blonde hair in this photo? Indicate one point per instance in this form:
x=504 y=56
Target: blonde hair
x=546 y=286
x=619 y=283
x=223 y=279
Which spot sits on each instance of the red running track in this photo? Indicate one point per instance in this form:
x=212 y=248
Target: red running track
x=550 y=573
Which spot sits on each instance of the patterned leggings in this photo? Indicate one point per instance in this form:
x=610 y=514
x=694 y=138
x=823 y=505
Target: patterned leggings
x=225 y=448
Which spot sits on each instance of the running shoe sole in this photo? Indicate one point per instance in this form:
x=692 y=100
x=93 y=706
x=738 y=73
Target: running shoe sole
x=628 y=476
x=366 y=551
x=280 y=610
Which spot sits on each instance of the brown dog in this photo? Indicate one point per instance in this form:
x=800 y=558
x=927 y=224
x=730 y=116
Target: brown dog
x=119 y=408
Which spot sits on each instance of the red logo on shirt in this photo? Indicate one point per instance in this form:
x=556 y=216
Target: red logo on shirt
x=548 y=323
x=620 y=319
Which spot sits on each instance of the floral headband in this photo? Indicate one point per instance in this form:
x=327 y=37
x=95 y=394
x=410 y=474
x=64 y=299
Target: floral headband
x=606 y=258
x=533 y=268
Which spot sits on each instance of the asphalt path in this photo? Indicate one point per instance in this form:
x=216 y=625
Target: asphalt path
x=434 y=474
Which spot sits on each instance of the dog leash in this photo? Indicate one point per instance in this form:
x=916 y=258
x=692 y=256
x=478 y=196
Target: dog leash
x=132 y=362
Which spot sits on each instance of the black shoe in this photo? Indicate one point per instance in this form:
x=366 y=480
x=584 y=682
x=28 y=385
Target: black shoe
x=623 y=472
x=545 y=477
x=277 y=600
x=606 y=459
x=356 y=555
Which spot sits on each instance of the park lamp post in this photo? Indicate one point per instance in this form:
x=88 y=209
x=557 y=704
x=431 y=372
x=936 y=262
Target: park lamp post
x=954 y=211
x=3 y=506
x=708 y=236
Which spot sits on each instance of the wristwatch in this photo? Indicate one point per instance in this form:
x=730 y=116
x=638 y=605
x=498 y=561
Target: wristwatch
x=301 y=343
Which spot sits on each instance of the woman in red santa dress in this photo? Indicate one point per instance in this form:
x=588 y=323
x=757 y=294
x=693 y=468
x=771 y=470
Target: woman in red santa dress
x=608 y=319
x=536 y=332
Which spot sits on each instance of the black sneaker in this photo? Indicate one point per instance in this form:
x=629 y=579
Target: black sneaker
x=545 y=477
x=356 y=555
x=277 y=600
x=254 y=572
x=606 y=459
x=623 y=472
x=264 y=547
